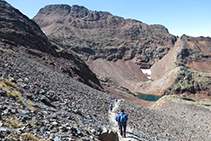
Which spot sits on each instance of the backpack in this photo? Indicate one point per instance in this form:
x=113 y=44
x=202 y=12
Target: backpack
x=123 y=119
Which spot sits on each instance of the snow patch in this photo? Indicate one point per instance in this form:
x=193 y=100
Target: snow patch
x=147 y=72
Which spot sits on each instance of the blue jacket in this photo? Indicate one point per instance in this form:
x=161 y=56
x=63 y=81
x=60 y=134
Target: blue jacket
x=111 y=106
x=119 y=116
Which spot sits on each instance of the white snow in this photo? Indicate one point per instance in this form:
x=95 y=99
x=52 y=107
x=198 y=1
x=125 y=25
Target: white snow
x=147 y=72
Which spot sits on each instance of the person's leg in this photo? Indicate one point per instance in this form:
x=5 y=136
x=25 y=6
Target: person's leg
x=120 y=129
x=124 y=131
x=0 y=115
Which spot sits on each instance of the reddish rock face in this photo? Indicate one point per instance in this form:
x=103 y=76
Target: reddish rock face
x=197 y=53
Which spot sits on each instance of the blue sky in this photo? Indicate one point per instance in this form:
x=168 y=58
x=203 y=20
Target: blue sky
x=190 y=17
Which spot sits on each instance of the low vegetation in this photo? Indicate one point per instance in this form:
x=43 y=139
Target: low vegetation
x=29 y=136
x=9 y=88
x=188 y=80
x=9 y=83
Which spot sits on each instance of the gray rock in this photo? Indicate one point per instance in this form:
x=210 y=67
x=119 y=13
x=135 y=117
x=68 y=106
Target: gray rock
x=3 y=93
x=42 y=91
x=46 y=101
x=5 y=130
x=52 y=131
x=13 y=111
x=1 y=135
x=63 y=129
x=57 y=139
x=109 y=136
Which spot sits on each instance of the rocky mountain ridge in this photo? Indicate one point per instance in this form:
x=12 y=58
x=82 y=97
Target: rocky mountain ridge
x=93 y=34
x=116 y=49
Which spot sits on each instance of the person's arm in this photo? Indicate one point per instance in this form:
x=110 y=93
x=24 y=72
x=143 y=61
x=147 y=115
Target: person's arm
x=118 y=118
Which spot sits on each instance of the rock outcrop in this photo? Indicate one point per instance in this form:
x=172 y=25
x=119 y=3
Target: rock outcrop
x=193 y=61
x=195 y=53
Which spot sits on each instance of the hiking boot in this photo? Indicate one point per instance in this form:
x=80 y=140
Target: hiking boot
x=124 y=135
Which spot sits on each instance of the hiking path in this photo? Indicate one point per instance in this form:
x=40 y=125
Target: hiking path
x=115 y=127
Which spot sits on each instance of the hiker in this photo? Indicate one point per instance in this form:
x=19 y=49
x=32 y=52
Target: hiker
x=116 y=99
x=111 y=107
x=122 y=121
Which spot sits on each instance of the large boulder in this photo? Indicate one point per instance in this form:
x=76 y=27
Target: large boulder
x=109 y=136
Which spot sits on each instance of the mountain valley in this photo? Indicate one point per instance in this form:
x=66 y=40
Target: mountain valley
x=60 y=71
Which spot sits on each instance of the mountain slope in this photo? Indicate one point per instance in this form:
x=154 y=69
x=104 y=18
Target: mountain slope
x=19 y=30
x=23 y=35
x=184 y=70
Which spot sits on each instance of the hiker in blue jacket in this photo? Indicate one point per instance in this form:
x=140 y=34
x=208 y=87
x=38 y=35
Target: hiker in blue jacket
x=116 y=99
x=111 y=107
x=122 y=121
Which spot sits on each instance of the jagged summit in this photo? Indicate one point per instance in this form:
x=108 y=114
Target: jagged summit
x=104 y=40
x=63 y=9
x=93 y=34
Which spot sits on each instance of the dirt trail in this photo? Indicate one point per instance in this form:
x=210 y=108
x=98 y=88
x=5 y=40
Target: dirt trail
x=112 y=119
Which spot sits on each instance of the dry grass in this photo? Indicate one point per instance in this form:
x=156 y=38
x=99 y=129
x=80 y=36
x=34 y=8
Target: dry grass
x=8 y=83
x=14 y=123
x=13 y=94
x=31 y=137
